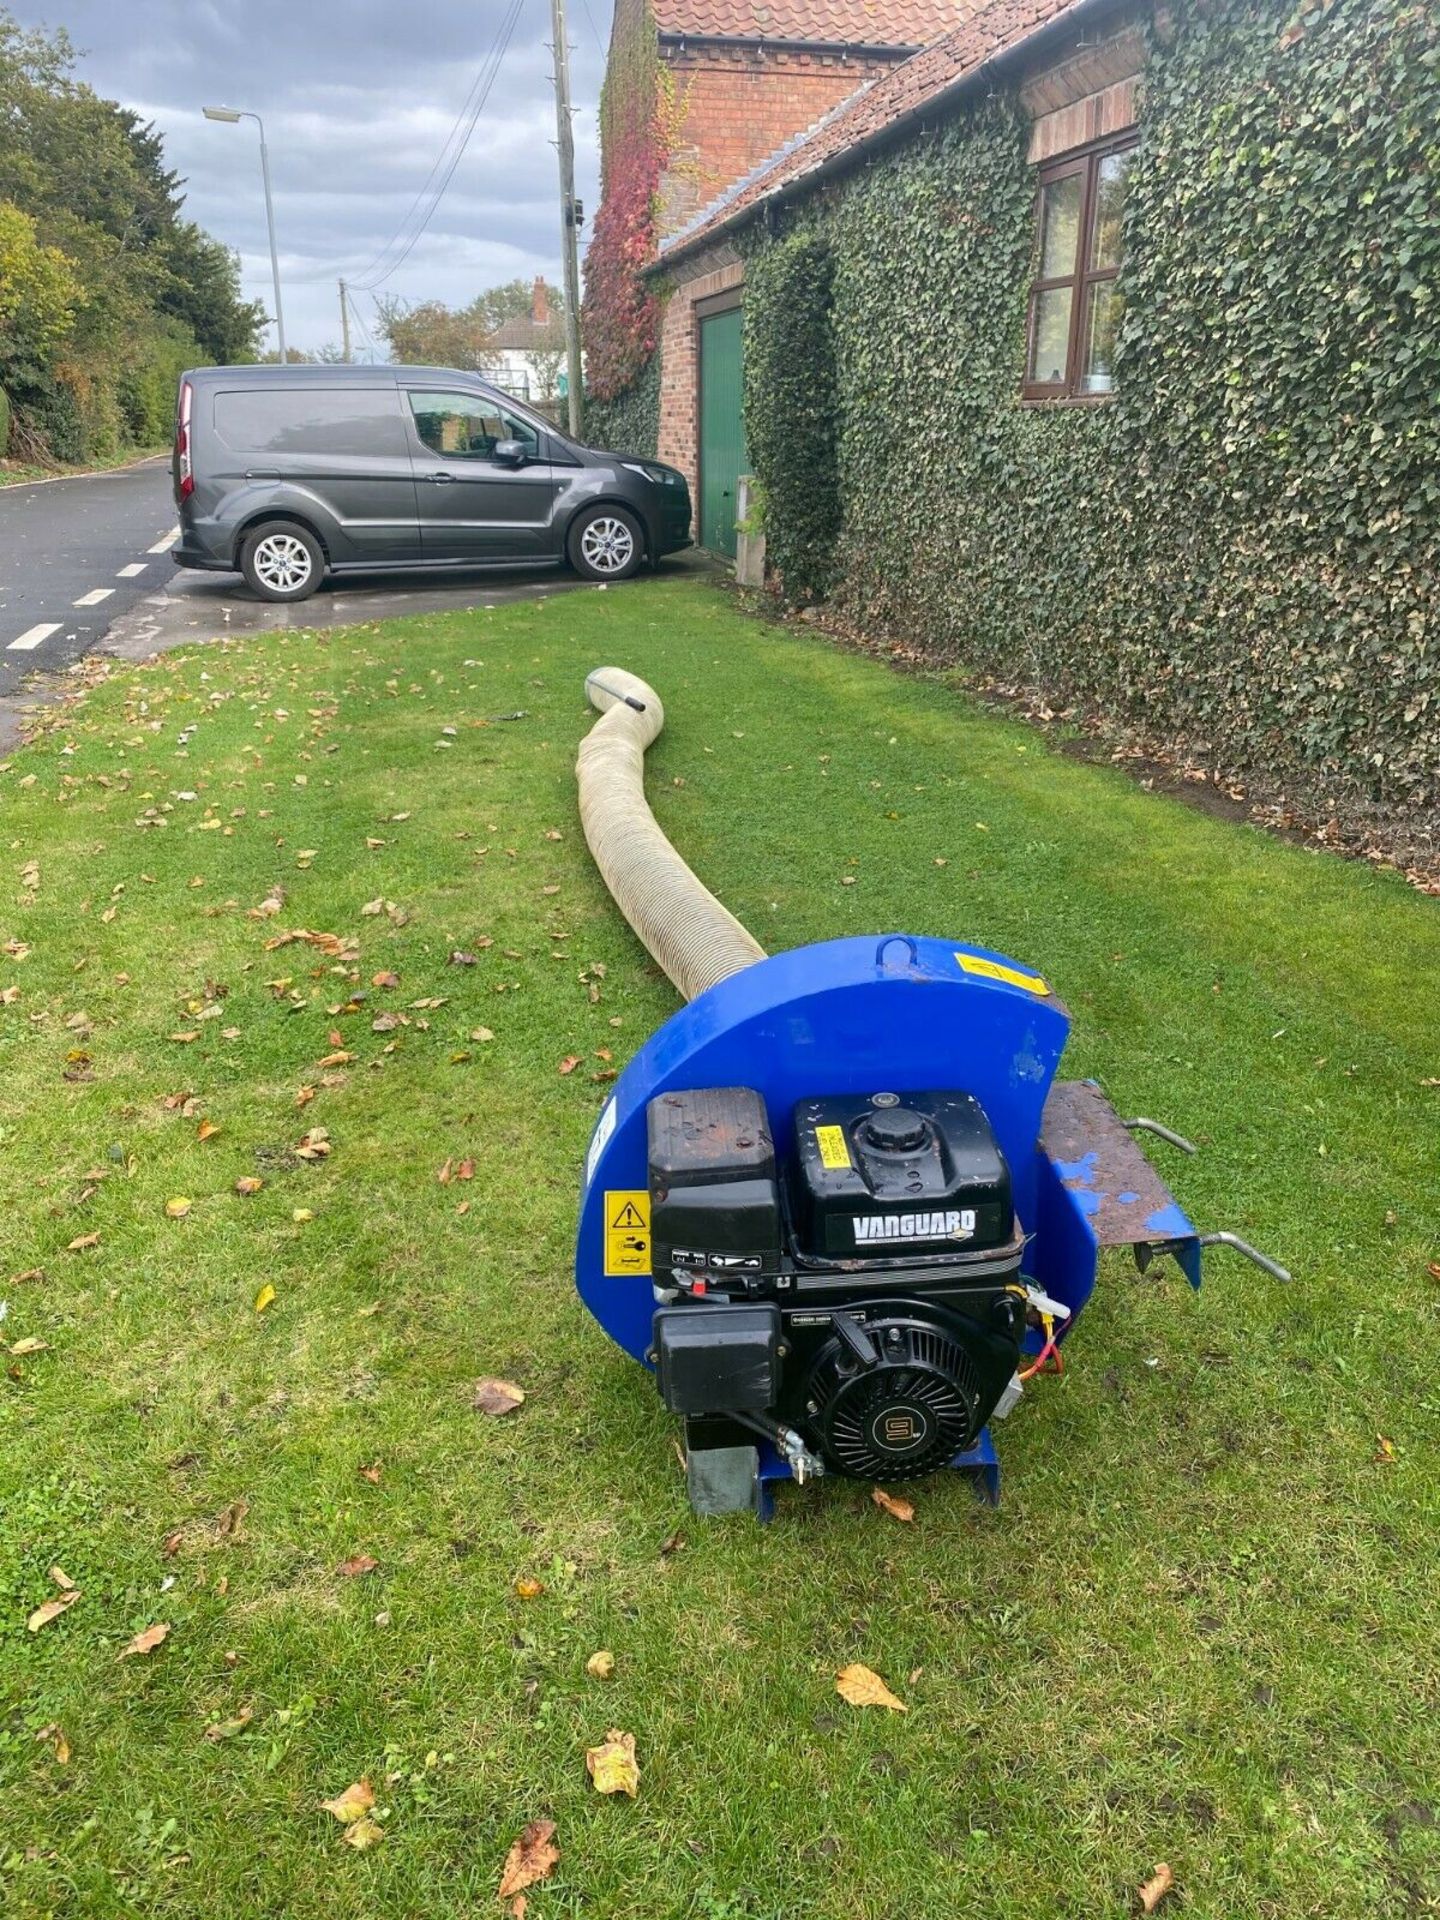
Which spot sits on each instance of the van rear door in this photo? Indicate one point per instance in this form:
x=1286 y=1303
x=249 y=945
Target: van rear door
x=338 y=455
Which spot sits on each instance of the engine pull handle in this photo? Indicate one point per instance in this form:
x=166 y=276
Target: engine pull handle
x=1237 y=1245
x=856 y=1339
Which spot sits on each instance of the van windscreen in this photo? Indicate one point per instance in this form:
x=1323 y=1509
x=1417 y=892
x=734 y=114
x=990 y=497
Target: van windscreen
x=354 y=421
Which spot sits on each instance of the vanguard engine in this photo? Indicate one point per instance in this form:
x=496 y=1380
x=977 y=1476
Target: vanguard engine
x=840 y=1203
x=858 y=1303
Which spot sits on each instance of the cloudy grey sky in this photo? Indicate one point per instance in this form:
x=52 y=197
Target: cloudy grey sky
x=358 y=97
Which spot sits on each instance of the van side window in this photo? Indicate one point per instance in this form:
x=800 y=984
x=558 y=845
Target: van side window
x=461 y=426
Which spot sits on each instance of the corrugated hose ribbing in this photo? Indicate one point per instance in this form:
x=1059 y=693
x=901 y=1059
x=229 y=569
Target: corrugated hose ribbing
x=681 y=923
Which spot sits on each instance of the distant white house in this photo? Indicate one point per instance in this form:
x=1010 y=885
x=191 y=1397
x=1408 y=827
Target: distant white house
x=526 y=356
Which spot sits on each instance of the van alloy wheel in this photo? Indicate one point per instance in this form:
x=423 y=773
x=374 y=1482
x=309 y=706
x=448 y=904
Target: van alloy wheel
x=282 y=563
x=608 y=544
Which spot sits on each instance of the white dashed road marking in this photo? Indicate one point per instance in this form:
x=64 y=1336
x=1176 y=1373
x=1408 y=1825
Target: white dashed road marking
x=164 y=546
x=32 y=637
x=94 y=597
x=129 y=573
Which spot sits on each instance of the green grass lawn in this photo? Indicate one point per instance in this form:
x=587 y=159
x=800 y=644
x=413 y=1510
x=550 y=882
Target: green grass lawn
x=1202 y=1627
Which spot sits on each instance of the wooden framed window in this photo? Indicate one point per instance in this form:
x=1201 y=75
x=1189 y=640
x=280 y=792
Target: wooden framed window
x=1074 y=297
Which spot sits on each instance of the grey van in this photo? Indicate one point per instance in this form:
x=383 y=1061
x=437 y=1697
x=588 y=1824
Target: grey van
x=285 y=473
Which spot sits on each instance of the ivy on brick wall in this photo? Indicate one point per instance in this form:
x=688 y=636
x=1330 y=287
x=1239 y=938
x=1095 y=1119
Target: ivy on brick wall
x=1240 y=550
x=790 y=359
x=628 y=422
x=620 y=315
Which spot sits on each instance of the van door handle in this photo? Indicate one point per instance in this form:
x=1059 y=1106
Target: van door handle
x=262 y=473
x=446 y=477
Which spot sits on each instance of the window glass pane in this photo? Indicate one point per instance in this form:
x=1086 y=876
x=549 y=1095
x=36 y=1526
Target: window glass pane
x=465 y=427
x=1102 y=316
x=1050 y=335
x=1060 y=225
x=1109 y=206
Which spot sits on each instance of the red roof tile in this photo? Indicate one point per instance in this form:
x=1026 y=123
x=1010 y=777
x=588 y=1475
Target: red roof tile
x=879 y=23
x=993 y=28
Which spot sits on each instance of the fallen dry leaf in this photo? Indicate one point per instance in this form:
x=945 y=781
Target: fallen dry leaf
x=385 y=979
x=61 y=1579
x=569 y=1063
x=184 y=1039
x=1384 y=1448
x=301 y=1214
x=600 y=1665
x=339 y=1058
x=265 y=1297
x=315 y=1145
x=901 y=1509
x=445 y=1175
x=304 y=1095
x=363 y=1833
x=30 y=1344
x=82 y=1241
x=465 y=1170
x=55 y=1739
x=206 y=1130
x=249 y=1183
x=177 y=1208
x=38 y=1273
x=1155 y=1888
x=612 y=1766
x=481 y=1033
x=860 y=1687
x=227 y=1521
x=1433 y=1270
x=220 y=1730
x=353 y=1803
x=534 y=1857
x=146 y=1641
x=497 y=1397
x=359 y=1563
x=528 y=1587
x=52 y=1609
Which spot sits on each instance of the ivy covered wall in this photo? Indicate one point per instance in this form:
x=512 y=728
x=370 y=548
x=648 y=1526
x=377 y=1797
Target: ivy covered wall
x=1238 y=552
x=628 y=422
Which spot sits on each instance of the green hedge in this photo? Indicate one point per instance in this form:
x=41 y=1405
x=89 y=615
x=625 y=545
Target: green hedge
x=630 y=423
x=1240 y=551
x=4 y=423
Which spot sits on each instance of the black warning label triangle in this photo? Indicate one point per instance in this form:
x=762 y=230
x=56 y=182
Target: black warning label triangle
x=628 y=1216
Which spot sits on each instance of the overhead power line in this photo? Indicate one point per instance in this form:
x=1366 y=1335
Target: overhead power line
x=422 y=209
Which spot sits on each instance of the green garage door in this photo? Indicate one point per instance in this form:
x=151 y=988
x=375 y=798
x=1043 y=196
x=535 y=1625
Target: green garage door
x=722 y=429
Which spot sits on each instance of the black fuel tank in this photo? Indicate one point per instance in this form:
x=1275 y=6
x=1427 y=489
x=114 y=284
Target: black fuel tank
x=890 y=1174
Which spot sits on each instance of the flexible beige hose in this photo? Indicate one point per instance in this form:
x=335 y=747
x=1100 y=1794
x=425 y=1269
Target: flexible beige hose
x=683 y=925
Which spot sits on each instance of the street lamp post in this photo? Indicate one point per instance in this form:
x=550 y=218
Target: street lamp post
x=232 y=115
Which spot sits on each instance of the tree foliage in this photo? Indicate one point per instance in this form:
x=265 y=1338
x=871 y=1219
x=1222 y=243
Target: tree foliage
x=1238 y=552
x=122 y=291
x=431 y=334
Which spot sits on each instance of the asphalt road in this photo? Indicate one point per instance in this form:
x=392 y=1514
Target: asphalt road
x=74 y=555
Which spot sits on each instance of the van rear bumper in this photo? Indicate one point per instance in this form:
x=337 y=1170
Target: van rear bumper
x=185 y=556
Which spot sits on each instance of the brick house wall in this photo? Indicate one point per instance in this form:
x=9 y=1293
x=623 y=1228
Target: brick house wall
x=739 y=105
x=717 y=272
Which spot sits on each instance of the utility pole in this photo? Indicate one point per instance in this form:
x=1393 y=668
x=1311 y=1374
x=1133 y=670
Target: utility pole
x=570 y=216
x=345 y=322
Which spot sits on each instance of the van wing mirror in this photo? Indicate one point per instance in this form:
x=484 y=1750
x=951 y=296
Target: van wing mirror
x=511 y=453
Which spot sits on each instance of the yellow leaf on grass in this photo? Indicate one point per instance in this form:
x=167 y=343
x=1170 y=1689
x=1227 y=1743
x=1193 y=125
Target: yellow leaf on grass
x=1155 y=1888
x=363 y=1833
x=30 y=1344
x=207 y=1130
x=177 y=1208
x=220 y=1730
x=900 y=1509
x=353 y=1803
x=264 y=1297
x=300 y=1215
x=612 y=1766
x=52 y=1609
x=860 y=1687
x=532 y=1858
x=146 y=1641
x=600 y=1665
x=528 y=1587
x=249 y=1183
x=82 y=1242
x=54 y=1737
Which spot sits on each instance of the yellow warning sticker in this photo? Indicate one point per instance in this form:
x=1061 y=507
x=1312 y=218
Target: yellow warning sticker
x=833 y=1150
x=993 y=970
x=627 y=1233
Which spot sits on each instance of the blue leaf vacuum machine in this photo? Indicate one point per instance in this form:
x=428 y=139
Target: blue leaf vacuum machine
x=840 y=1204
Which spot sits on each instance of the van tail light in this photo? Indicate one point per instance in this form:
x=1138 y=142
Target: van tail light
x=183 y=465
